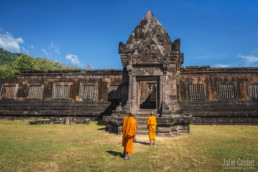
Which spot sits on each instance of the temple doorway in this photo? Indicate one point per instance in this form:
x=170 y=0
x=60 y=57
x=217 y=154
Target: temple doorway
x=148 y=94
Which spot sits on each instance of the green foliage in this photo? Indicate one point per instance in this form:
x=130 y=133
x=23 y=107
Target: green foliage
x=12 y=64
x=45 y=64
x=24 y=62
x=8 y=71
x=7 y=57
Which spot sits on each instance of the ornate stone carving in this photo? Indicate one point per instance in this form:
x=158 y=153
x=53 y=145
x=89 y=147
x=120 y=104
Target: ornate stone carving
x=149 y=43
x=149 y=71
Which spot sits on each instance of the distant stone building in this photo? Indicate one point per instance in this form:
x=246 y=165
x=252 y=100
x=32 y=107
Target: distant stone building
x=152 y=79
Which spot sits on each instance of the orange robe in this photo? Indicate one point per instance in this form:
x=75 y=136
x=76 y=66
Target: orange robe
x=128 y=133
x=152 y=123
x=124 y=122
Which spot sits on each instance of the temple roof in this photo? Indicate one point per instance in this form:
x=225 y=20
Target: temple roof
x=149 y=32
x=149 y=23
x=148 y=43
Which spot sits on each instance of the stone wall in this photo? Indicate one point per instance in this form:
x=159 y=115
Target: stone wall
x=197 y=92
x=219 y=95
x=60 y=93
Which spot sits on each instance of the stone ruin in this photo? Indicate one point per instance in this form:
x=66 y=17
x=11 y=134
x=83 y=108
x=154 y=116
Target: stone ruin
x=150 y=74
x=152 y=80
x=65 y=120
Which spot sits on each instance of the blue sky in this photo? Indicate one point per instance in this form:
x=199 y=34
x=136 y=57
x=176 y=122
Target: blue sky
x=220 y=33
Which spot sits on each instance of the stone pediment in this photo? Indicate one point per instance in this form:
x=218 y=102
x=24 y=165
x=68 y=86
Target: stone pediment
x=149 y=43
x=146 y=55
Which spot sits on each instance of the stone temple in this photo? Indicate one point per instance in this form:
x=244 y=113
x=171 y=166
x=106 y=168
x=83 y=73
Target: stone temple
x=152 y=79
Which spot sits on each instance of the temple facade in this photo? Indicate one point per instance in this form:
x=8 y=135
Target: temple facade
x=152 y=80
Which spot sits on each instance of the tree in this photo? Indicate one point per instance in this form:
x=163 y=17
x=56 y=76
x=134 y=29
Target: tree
x=12 y=64
x=7 y=58
x=8 y=71
x=24 y=62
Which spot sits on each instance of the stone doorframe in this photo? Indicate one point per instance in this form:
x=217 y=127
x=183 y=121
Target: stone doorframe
x=134 y=91
x=138 y=89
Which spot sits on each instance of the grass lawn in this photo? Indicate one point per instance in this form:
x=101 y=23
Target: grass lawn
x=52 y=147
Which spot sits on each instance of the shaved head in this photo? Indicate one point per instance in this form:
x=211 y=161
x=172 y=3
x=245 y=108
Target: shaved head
x=131 y=113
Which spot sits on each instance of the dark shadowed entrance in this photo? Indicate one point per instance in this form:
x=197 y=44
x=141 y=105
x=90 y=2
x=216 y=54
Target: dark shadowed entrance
x=148 y=94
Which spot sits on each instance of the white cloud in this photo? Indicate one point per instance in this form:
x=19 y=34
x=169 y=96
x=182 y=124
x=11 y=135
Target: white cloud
x=250 y=60
x=73 y=58
x=45 y=52
x=32 y=47
x=9 y=43
x=222 y=65
x=55 y=47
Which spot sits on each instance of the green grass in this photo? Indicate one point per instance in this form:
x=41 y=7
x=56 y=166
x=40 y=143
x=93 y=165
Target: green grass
x=52 y=147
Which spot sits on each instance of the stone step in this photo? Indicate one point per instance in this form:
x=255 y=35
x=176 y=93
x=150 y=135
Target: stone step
x=46 y=113
x=223 y=113
x=142 y=115
x=142 y=126
x=228 y=102
x=146 y=111
x=142 y=132
x=141 y=119
x=221 y=106
x=31 y=108
x=230 y=109
x=138 y=130
x=143 y=129
x=141 y=122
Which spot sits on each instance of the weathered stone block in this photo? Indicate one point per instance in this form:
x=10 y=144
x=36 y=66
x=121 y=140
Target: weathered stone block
x=163 y=129
x=182 y=127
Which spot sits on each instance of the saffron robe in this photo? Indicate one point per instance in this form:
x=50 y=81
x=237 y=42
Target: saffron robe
x=152 y=123
x=124 y=122
x=128 y=133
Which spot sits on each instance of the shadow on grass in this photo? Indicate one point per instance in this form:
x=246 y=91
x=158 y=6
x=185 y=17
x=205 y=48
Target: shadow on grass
x=143 y=143
x=101 y=122
x=114 y=153
x=104 y=128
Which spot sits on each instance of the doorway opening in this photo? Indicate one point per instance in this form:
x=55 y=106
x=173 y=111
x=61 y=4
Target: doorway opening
x=148 y=94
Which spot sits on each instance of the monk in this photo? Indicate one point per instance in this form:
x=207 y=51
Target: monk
x=152 y=123
x=124 y=122
x=129 y=134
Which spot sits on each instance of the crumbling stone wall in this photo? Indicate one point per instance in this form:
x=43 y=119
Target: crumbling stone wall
x=237 y=106
x=242 y=109
x=73 y=105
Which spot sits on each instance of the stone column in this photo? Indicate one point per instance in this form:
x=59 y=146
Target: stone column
x=129 y=101
x=161 y=92
x=171 y=89
x=134 y=94
x=127 y=106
